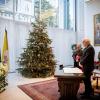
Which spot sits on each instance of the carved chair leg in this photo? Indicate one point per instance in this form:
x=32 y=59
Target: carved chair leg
x=97 y=83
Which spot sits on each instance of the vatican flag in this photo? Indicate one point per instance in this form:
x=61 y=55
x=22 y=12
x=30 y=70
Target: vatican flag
x=4 y=56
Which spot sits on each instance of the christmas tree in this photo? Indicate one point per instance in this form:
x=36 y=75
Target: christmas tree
x=37 y=59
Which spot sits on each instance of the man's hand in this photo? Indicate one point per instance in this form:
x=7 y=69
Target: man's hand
x=80 y=65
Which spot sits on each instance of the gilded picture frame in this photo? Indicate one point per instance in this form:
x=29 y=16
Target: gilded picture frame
x=97 y=30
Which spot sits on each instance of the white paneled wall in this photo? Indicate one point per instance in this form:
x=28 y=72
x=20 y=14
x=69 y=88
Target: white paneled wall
x=61 y=43
x=18 y=33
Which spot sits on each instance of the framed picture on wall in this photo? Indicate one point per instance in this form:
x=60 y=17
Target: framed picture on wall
x=97 y=30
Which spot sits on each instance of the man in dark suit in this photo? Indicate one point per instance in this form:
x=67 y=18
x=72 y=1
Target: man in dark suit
x=87 y=64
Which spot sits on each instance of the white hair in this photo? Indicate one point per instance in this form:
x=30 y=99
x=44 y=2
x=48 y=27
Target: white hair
x=87 y=41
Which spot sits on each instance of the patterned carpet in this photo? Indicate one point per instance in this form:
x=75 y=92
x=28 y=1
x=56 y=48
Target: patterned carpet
x=48 y=90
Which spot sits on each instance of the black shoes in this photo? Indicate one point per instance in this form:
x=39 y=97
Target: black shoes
x=83 y=93
x=88 y=93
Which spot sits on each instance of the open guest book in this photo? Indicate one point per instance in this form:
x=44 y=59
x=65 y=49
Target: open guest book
x=72 y=70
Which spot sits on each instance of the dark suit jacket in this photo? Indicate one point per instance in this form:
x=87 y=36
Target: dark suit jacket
x=87 y=59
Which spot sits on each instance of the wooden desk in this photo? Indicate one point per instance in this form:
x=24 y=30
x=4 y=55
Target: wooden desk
x=68 y=83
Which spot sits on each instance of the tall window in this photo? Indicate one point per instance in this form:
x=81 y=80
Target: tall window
x=18 y=10
x=6 y=9
x=48 y=11
x=2 y=2
x=6 y=5
x=56 y=13
x=67 y=14
x=70 y=14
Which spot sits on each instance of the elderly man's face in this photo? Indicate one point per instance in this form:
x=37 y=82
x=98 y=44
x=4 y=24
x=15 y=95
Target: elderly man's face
x=85 y=44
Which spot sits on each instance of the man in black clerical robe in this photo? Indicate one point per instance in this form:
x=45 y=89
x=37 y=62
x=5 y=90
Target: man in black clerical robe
x=87 y=64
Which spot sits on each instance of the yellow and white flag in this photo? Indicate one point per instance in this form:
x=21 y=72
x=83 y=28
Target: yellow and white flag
x=4 y=55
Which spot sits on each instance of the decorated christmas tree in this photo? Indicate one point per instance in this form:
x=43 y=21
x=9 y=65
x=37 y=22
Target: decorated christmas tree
x=37 y=59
